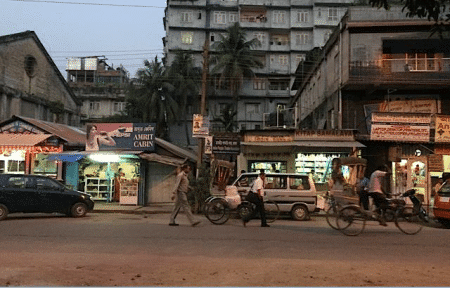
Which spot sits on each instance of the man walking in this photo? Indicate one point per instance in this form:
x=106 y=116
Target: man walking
x=180 y=194
x=377 y=193
x=255 y=196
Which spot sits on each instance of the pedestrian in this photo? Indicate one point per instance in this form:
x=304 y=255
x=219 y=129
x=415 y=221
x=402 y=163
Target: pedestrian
x=363 y=191
x=255 y=196
x=180 y=197
x=377 y=193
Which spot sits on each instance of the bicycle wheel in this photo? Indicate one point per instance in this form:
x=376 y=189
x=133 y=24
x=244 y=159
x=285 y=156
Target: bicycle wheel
x=408 y=221
x=245 y=211
x=272 y=211
x=331 y=216
x=217 y=211
x=351 y=221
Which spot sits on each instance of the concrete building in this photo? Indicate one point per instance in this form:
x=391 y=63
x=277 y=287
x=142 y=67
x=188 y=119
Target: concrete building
x=99 y=86
x=385 y=76
x=31 y=84
x=287 y=30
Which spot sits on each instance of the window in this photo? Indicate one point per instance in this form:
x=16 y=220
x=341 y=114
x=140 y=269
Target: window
x=302 y=16
x=276 y=182
x=301 y=38
x=261 y=36
x=46 y=183
x=119 y=106
x=333 y=14
x=233 y=17
x=280 y=40
x=16 y=166
x=299 y=182
x=220 y=17
x=272 y=59
x=278 y=84
x=186 y=16
x=2 y=166
x=187 y=37
x=319 y=13
x=279 y=17
x=30 y=66
x=252 y=108
x=283 y=59
x=421 y=62
x=259 y=84
x=94 y=106
x=212 y=37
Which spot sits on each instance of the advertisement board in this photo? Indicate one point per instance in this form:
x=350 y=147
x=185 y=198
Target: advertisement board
x=200 y=125
x=120 y=136
x=400 y=127
x=442 y=129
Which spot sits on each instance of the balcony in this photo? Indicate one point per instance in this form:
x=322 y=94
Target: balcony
x=282 y=118
x=424 y=72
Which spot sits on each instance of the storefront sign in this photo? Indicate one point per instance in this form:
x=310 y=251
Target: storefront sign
x=124 y=136
x=400 y=127
x=226 y=144
x=442 y=129
x=260 y=138
x=435 y=163
x=200 y=126
x=208 y=144
x=324 y=135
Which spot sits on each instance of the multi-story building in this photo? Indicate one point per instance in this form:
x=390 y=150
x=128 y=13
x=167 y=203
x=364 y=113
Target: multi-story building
x=99 y=86
x=286 y=29
x=387 y=77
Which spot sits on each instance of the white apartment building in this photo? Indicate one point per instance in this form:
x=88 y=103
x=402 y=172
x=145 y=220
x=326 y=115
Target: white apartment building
x=287 y=30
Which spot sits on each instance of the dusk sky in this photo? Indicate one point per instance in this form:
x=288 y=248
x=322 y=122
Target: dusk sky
x=125 y=31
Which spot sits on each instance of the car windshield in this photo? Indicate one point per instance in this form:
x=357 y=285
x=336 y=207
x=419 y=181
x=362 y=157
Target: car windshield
x=445 y=189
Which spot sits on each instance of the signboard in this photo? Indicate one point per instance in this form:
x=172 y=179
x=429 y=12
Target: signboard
x=401 y=127
x=263 y=138
x=200 y=125
x=435 y=163
x=325 y=135
x=208 y=144
x=442 y=129
x=120 y=136
x=226 y=144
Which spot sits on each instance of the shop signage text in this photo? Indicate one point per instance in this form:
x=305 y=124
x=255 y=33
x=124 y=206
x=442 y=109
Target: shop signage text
x=127 y=136
x=226 y=145
x=400 y=127
x=442 y=129
x=260 y=138
x=334 y=135
x=200 y=125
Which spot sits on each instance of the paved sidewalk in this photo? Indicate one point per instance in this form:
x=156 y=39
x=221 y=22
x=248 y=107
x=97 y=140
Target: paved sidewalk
x=102 y=207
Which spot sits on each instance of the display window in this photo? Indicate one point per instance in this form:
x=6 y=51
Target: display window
x=42 y=166
x=13 y=162
x=318 y=165
x=267 y=166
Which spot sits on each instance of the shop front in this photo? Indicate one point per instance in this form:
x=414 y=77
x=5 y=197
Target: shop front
x=297 y=151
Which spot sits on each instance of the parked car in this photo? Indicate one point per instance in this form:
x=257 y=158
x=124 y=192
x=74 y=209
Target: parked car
x=294 y=193
x=36 y=194
x=441 y=207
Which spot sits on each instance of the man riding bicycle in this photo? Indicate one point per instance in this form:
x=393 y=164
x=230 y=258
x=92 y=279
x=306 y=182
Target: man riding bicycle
x=377 y=193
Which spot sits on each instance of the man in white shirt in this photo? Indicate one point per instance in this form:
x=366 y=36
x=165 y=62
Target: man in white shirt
x=255 y=196
x=377 y=193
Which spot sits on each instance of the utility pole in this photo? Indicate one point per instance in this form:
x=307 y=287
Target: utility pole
x=205 y=72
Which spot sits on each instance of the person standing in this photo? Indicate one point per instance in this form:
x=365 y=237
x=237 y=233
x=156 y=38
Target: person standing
x=376 y=191
x=117 y=183
x=255 y=196
x=362 y=188
x=180 y=196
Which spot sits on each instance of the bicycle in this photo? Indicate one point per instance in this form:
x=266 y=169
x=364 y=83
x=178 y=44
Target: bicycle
x=218 y=210
x=332 y=211
x=352 y=219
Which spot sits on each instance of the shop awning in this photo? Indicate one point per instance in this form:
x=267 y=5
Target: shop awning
x=67 y=156
x=22 y=139
x=338 y=144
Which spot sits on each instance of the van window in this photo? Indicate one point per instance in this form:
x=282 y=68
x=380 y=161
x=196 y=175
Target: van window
x=246 y=180
x=276 y=182
x=299 y=182
x=46 y=183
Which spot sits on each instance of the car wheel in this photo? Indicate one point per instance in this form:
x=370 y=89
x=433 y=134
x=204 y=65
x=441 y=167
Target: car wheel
x=300 y=213
x=78 y=210
x=3 y=212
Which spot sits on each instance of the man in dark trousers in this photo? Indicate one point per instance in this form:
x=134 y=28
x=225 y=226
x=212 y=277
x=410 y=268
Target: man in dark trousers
x=180 y=194
x=255 y=196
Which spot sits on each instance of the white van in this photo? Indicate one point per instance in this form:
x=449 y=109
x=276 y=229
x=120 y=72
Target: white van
x=294 y=193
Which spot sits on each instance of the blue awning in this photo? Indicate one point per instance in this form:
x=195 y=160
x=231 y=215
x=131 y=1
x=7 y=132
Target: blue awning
x=66 y=156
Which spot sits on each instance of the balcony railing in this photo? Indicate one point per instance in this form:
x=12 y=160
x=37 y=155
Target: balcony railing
x=419 y=70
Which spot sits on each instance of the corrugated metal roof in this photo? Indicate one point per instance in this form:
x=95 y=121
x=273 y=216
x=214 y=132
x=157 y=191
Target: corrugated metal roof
x=22 y=139
x=73 y=135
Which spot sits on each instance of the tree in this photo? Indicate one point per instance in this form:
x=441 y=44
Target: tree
x=234 y=59
x=185 y=79
x=149 y=98
x=227 y=118
x=435 y=10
